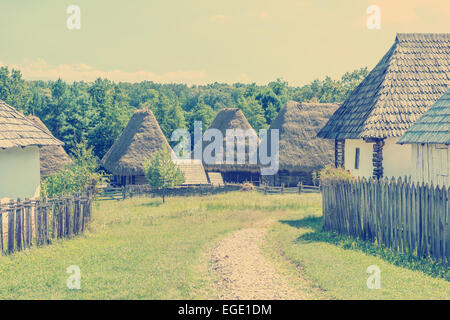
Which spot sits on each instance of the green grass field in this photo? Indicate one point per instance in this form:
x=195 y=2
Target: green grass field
x=142 y=249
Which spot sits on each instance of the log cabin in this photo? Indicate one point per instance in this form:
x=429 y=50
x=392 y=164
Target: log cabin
x=410 y=77
x=429 y=138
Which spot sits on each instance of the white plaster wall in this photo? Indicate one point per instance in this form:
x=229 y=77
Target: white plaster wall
x=397 y=161
x=431 y=164
x=365 y=157
x=19 y=173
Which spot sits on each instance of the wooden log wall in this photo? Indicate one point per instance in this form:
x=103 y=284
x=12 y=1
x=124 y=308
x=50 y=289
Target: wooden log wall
x=377 y=159
x=37 y=222
x=407 y=217
x=339 y=153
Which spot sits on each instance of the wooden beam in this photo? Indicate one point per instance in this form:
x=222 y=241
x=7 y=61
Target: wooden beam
x=377 y=159
x=339 y=153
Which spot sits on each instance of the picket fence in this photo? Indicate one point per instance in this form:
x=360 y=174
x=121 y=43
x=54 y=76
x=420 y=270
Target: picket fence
x=408 y=217
x=27 y=223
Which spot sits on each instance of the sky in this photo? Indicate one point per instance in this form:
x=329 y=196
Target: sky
x=203 y=41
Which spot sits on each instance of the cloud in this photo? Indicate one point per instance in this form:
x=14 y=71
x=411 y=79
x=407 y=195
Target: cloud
x=219 y=18
x=39 y=69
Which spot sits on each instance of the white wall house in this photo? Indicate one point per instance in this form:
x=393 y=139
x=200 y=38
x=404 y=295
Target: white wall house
x=429 y=139
x=359 y=155
x=368 y=126
x=20 y=140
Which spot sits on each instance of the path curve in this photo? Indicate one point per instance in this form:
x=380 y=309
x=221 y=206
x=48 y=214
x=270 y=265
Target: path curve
x=245 y=273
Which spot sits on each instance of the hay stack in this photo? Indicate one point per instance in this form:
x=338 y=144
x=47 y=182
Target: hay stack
x=53 y=158
x=139 y=141
x=300 y=151
x=233 y=118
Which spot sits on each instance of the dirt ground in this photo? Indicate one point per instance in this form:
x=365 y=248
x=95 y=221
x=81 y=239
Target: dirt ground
x=245 y=273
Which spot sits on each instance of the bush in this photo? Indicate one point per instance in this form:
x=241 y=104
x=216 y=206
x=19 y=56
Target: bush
x=162 y=173
x=330 y=174
x=247 y=186
x=76 y=177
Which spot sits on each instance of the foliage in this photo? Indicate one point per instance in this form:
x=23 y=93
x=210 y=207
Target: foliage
x=76 y=177
x=172 y=242
x=330 y=174
x=162 y=173
x=98 y=111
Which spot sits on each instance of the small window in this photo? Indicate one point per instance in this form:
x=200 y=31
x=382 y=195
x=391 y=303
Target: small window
x=357 y=158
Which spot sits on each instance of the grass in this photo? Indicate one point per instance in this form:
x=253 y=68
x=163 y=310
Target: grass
x=338 y=264
x=142 y=249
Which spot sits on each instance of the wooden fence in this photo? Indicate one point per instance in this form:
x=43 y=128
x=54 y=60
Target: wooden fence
x=28 y=223
x=282 y=189
x=407 y=217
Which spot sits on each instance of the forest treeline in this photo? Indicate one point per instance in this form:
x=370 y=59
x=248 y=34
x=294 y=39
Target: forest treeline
x=96 y=112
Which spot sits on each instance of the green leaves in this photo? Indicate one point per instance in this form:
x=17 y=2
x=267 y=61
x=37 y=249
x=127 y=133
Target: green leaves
x=161 y=172
x=75 y=177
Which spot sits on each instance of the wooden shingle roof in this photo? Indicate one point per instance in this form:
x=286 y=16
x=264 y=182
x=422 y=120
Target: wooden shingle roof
x=410 y=77
x=434 y=126
x=17 y=131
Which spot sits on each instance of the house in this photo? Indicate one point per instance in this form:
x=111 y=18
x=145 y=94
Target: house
x=429 y=138
x=300 y=151
x=139 y=141
x=20 y=140
x=193 y=171
x=410 y=77
x=233 y=171
x=52 y=158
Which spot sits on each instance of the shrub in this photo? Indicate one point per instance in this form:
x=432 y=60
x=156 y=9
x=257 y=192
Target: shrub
x=162 y=173
x=247 y=186
x=331 y=174
x=76 y=177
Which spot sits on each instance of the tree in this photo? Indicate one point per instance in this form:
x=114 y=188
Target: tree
x=162 y=173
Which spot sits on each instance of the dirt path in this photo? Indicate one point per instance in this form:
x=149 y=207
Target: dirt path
x=245 y=273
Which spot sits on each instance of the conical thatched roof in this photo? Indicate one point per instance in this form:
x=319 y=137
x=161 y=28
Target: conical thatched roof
x=17 y=131
x=299 y=147
x=52 y=158
x=410 y=77
x=139 y=141
x=232 y=118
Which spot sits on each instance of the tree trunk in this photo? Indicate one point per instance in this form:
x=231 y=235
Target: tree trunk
x=163 y=195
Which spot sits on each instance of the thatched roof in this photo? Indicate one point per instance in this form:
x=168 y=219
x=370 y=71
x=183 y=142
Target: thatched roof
x=193 y=171
x=434 y=126
x=232 y=118
x=139 y=141
x=17 y=131
x=52 y=158
x=411 y=76
x=298 y=124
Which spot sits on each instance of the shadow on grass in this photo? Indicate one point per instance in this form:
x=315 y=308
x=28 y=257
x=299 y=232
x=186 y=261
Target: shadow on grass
x=316 y=234
x=151 y=204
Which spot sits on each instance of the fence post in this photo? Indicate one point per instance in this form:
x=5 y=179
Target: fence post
x=1 y=229
x=123 y=193
x=265 y=188
x=300 y=186
x=282 y=187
